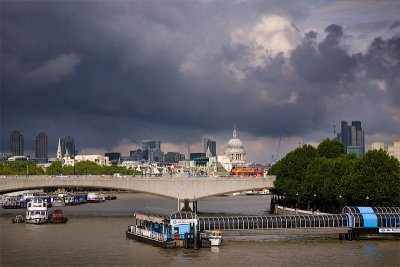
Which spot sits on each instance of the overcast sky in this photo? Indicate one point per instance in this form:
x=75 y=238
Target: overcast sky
x=112 y=74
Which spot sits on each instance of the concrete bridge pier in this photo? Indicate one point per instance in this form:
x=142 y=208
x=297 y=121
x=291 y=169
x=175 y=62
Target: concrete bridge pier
x=186 y=205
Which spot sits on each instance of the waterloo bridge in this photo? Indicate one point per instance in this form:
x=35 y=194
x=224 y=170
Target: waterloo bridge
x=184 y=189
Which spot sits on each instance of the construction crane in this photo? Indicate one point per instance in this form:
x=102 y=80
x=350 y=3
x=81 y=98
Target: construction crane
x=276 y=157
x=305 y=137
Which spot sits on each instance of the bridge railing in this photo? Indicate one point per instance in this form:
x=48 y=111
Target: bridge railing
x=167 y=177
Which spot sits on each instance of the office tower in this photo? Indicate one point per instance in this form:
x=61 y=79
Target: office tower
x=211 y=145
x=136 y=155
x=352 y=137
x=151 y=144
x=113 y=156
x=173 y=157
x=67 y=145
x=17 y=143
x=41 y=151
x=152 y=150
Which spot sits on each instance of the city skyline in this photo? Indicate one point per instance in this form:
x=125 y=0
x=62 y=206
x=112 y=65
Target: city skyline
x=184 y=72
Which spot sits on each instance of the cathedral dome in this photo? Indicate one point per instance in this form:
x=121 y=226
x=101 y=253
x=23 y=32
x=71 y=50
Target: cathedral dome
x=235 y=150
x=235 y=143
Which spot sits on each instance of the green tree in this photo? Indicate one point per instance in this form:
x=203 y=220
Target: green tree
x=290 y=171
x=28 y=167
x=55 y=168
x=331 y=149
x=376 y=180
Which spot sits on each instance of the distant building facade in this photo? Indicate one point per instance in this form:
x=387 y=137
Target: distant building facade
x=174 y=157
x=152 y=150
x=352 y=137
x=98 y=159
x=392 y=150
x=68 y=146
x=196 y=155
x=136 y=155
x=211 y=146
x=112 y=156
x=17 y=143
x=378 y=146
x=41 y=146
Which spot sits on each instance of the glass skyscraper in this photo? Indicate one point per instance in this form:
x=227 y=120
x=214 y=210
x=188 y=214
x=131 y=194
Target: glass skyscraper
x=352 y=137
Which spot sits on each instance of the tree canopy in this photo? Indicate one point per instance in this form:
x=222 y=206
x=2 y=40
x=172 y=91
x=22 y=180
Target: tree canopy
x=329 y=178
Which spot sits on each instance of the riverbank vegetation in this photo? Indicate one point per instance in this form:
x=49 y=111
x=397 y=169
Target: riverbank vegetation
x=81 y=168
x=327 y=179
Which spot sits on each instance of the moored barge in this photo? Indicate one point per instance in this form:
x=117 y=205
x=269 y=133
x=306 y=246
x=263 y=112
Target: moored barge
x=167 y=229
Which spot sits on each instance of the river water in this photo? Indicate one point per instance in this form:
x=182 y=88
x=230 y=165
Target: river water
x=95 y=236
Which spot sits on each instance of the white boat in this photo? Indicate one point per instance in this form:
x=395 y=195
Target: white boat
x=95 y=198
x=58 y=202
x=63 y=194
x=215 y=238
x=36 y=211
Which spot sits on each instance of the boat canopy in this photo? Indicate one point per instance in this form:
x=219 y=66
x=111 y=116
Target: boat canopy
x=164 y=216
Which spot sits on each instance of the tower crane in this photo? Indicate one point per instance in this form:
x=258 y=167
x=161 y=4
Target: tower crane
x=282 y=132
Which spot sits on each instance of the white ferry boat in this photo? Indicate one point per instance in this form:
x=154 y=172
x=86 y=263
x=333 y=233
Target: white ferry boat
x=36 y=211
x=216 y=238
x=95 y=198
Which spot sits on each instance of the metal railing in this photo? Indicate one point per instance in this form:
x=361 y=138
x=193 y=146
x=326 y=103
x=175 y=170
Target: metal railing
x=147 y=233
x=273 y=222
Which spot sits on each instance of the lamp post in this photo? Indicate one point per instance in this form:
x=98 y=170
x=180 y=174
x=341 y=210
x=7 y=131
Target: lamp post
x=366 y=200
x=340 y=201
x=284 y=201
x=315 y=201
x=297 y=203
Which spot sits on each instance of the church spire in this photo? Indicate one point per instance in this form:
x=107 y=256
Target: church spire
x=59 y=153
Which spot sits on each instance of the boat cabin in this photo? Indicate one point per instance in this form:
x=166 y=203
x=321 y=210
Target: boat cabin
x=162 y=225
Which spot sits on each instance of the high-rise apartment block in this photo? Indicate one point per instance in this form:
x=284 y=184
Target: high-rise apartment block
x=17 y=143
x=41 y=150
x=352 y=137
x=211 y=146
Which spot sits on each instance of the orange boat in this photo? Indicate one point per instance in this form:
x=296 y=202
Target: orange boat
x=57 y=216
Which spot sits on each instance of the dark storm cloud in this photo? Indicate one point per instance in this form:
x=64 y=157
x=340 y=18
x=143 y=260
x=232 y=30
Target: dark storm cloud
x=394 y=25
x=107 y=71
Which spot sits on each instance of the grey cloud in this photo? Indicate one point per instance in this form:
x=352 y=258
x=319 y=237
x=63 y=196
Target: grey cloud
x=394 y=25
x=113 y=70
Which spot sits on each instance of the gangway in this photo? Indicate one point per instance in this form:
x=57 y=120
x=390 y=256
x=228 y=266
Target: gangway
x=355 y=220
x=272 y=222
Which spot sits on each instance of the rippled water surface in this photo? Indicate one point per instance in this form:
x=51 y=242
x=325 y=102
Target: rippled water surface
x=95 y=236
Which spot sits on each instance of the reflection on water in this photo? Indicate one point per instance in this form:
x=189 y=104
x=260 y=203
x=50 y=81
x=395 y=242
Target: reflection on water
x=95 y=235
x=215 y=249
